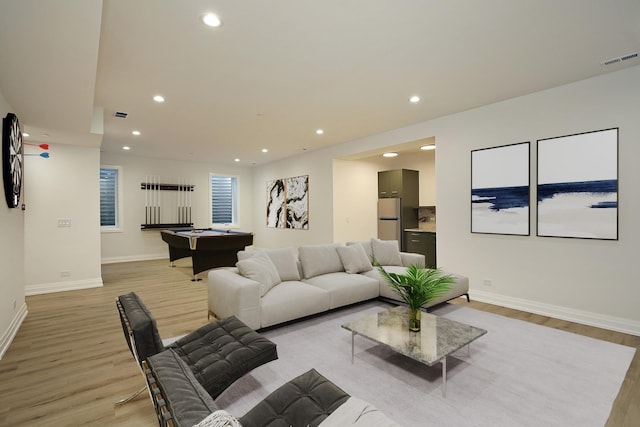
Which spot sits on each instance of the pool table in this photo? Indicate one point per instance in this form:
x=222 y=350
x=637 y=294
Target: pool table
x=208 y=248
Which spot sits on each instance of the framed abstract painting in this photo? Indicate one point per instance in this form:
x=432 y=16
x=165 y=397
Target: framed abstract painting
x=500 y=189
x=578 y=186
x=288 y=203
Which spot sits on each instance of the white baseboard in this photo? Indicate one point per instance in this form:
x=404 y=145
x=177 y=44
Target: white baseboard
x=627 y=326
x=10 y=333
x=47 y=288
x=131 y=258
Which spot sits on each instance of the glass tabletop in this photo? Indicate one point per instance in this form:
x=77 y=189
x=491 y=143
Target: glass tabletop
x=438 y=337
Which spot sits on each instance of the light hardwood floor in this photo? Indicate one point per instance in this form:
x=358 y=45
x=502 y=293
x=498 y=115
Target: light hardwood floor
x=69 y=362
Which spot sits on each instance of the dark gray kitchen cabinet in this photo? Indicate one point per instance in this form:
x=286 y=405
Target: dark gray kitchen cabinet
x=422 y=243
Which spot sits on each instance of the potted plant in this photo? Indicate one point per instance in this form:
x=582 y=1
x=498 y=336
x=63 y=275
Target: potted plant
x=416 y=287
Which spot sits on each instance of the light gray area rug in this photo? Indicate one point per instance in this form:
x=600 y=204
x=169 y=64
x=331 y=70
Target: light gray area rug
x=518 y=374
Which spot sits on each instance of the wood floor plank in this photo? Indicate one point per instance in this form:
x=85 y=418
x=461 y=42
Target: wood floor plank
x=69 y=361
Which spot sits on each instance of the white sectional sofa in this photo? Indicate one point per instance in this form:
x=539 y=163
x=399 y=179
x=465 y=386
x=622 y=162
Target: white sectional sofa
x=269 y=287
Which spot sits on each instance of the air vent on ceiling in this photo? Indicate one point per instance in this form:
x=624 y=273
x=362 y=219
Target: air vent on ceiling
x=620 y=58
x=120 y=114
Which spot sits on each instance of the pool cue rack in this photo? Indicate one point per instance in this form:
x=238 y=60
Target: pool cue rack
x=166 y=205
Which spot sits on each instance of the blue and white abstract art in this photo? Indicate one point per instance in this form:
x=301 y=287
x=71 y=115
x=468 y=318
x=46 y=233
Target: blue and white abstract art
x=578 y=186
x=500 y=190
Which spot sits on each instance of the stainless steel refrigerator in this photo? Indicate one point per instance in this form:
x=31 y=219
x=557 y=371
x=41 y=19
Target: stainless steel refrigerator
x=390 y=219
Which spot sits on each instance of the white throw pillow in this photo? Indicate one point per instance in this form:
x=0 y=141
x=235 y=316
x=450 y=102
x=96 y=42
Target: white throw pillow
x=261 y=269
x=284 y=259
x=386 y=252
x=366 y=244
x=319 y=259
x=354 y=259
x=219 y=418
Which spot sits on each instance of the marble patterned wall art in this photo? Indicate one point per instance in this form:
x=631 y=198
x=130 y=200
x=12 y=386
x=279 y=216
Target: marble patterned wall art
x=297 y=202
x=500 y=189
x=276 y=203
x=578 y=186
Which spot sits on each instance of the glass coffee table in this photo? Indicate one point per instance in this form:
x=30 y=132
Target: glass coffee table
x=438 y=338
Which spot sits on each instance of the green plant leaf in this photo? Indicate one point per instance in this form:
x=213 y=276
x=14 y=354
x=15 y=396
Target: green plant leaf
x=418 y=285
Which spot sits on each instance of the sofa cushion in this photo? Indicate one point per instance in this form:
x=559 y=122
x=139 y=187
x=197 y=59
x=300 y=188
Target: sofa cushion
x=345 y=289
x=319 y=259
x=386 y=252
x=386 y=291
x=283 y=258
x=292 y=300
x=354 y=259
x=261 y=269
x=366 y=244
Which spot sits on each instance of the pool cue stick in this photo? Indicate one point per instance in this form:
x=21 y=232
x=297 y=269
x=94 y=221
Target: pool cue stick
x=146 y=199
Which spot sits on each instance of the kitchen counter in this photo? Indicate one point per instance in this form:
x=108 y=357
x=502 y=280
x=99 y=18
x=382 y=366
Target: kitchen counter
x=425 y=227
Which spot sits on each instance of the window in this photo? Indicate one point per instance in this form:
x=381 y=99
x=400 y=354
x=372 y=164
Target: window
x=110 y=198
x=224 y=199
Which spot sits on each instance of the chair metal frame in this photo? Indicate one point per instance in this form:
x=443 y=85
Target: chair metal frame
x=131 y=342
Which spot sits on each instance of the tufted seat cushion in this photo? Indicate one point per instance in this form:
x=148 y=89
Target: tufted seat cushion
x=187 y=402
x=220 y=352
x=306 y=400
x=143 y=326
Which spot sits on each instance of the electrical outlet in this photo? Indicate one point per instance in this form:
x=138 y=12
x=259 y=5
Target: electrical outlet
x=487 y=282
x=64 y=223
x=65 y=273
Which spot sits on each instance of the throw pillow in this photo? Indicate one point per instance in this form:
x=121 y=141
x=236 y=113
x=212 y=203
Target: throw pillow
x=366 y=244
x=354 y=259
x=261 y=269
x=386 y=252
x=283 y=258
x=319 y=259
x=219 y=418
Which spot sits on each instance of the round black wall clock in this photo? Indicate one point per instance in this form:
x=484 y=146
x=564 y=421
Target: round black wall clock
x=12 y=159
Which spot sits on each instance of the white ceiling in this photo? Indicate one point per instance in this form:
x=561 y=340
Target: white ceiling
x=278 y=70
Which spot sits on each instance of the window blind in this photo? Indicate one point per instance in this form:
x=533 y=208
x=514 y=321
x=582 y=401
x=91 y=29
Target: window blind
x=108 y=197
x=223 y=199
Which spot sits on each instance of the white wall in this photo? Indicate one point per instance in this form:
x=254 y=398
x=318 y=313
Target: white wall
x=134 y=244
x=320 y=170
x=590 y=281
x=65 y=186
x=13 y=309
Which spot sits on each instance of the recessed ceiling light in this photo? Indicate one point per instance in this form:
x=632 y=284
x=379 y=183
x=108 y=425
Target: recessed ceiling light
x=126 y=148
x=391 y=154
x=414 y=99
x=264 y=150
x=236 y=160
x=158 y=98
x=136 y=132
x=211 y=20
x=428 y=147
x=319 y=131
x=25 y=134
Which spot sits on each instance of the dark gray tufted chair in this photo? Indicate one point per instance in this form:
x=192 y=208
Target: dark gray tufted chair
x=217 y=354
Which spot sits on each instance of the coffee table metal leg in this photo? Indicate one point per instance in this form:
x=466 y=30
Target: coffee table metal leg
x=353 y=335
x=444 y=376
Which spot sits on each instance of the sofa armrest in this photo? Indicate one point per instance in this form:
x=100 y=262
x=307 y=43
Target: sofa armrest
x=231 y=294
x=409 y=258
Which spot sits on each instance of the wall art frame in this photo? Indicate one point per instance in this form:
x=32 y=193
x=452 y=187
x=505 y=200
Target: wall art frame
x=577 y=185
x=500 y=189
x=288 y=203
